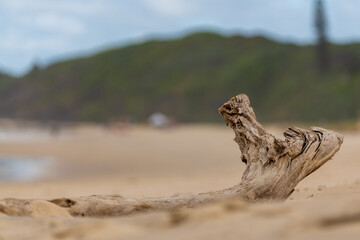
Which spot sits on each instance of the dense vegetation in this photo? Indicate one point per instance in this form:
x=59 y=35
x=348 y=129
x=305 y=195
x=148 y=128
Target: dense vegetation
x=189 y=79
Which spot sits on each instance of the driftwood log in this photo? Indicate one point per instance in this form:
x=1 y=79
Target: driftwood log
x=273 y=168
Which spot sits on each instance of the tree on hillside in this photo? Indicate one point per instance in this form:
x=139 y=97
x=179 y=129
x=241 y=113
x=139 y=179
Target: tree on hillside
x=322 y=40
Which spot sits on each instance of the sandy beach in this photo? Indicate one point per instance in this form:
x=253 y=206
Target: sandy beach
x=140 y=162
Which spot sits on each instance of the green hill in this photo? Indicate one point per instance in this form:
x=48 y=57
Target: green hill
x=189 y=79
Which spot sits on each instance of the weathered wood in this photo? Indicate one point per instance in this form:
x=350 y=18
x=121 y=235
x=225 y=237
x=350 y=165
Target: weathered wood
x=274 y=168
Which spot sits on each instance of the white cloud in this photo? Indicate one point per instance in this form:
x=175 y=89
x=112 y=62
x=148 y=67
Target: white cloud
x=75 y=7
x=171 y=7
x=15 y=41
x=56 y=22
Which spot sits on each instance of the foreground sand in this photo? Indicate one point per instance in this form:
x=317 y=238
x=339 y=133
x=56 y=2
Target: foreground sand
x=142 y=162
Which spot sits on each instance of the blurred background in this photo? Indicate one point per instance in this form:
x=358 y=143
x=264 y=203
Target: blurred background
x=82 y=81
x=111 y=61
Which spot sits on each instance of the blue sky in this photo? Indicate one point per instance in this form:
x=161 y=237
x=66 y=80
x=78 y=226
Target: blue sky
x=43 y=31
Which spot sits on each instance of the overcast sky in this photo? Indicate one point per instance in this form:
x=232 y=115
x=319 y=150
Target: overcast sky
x=42 y=31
